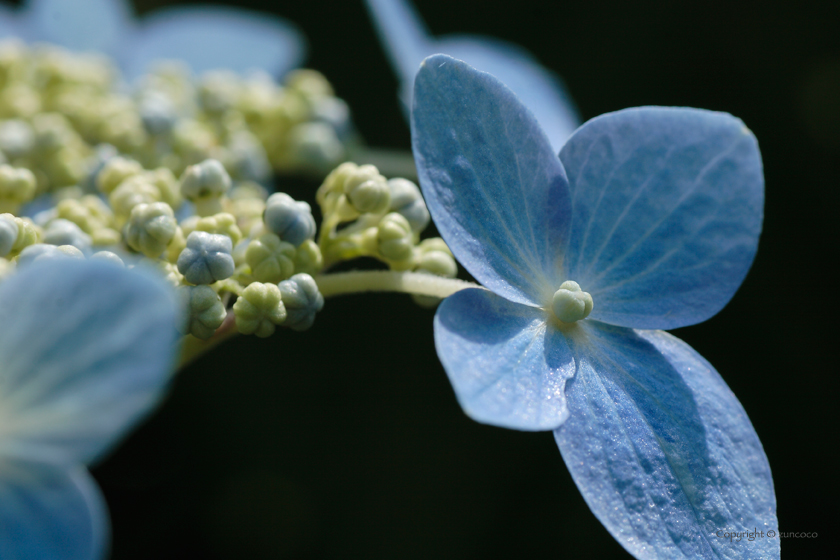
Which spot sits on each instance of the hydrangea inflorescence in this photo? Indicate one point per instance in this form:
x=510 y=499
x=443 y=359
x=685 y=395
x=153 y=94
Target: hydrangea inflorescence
x=654 y=214
x=86 y=351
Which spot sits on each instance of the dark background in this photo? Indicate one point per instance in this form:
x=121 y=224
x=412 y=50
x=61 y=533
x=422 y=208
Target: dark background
x=346 y=441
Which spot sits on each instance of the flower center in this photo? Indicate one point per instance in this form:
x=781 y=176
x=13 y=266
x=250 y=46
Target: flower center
x=570 y=304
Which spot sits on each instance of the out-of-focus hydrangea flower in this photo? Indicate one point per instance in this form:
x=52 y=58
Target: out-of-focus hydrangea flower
x=652 y=215
x=86 y=350
x=408 y=42
x=205 y=37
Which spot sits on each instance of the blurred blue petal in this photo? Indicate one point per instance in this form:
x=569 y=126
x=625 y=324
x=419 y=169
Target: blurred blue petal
x=49 y=513
x=86 y=349
x=507 y=366
x=661 y=449
x=408 y=42
x=211 y=37
x=9 y=26
x=82 y=25
x=668 y=208
x=498 y=194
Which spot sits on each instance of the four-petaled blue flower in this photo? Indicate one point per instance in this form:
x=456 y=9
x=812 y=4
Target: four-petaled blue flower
x=649 y=219
x=205 y=37
x=86 y=350
x=408 y=42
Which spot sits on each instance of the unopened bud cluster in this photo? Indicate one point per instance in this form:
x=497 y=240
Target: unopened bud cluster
x=368 y=215
x=169 y=174
x=59 y=111
x=142 y=217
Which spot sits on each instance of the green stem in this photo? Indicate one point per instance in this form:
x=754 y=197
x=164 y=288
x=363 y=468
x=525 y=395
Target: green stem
x=193 y=348
x=341 y=283
x=335 y=284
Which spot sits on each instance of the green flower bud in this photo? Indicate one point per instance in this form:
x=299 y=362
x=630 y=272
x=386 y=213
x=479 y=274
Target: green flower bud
x=309 y=83
x=334 y=183
x=167 y=184
x=115 y=171
x=367 y=190
x=19 y=100
x=270 y=259
x=89 y=213
x=248 y=190
x=16 y=138
x=308 y=258
x=53 y=132
x=395 y=241
x=222 y=224
x=193 y=140
x=248 y=212
x=204 y=184
x=178 y=244
x=151 y=228
x=218 y=91
x=106 y=237
x=133 y=191
x=17 y=186
x=433 y=256
x=28 y=234
x=259 y=309
x=203 y=311
x=314 y=146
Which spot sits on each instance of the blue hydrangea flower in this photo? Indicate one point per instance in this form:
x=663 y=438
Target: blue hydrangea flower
x=408 y=42
x=85 y=352
x=205 y=37
x=654 y=212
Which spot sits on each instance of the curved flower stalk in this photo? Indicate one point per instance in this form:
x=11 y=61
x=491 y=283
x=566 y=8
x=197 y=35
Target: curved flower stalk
x=86 y=351
x=205 y=37
x=408 y=42
x=649 y=219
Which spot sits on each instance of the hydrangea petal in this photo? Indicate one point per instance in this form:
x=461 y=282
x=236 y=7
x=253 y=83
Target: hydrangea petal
x=209 y=38
x=9 y=26
x=408 y=42
x=86 y=349
x=48 y=513
x=82 y=25
x=668 y=206
x=508 y=368
x=539 y=89
x=495 y=189
x=662 y=451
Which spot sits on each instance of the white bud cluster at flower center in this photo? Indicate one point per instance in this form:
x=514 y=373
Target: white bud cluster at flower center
x=570 y=303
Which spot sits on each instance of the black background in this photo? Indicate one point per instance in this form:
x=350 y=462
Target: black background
x=346 y=441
